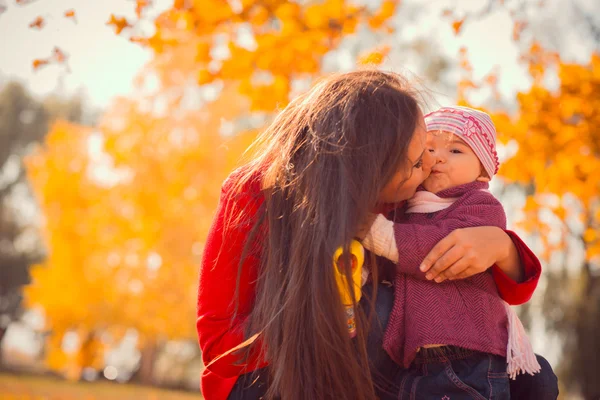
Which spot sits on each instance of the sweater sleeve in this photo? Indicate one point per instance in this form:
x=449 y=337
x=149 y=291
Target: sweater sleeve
x=414 y=241
x=219 y=327
x=515 y=293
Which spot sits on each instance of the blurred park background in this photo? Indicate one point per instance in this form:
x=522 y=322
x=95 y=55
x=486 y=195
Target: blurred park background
x=119 y=119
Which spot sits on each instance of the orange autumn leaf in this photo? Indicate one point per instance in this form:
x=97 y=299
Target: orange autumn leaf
x=204 y=77
x=70 y=14
x=38 y=63
x=388 y=9
x=457 y=26
x=38 y=23
x=140 y=5
x=374 y=57
x=120 y=23
x=59 y=55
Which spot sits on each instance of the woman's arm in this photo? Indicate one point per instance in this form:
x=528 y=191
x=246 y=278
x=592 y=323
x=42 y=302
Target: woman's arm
x=469 y=251
x=408 y=243
x=518 y=291
x=510 y=264
x=218 y=330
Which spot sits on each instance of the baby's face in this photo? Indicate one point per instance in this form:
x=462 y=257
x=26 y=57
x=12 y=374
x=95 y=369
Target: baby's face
x=454 y=162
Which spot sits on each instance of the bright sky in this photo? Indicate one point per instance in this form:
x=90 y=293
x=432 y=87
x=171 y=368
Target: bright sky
x=104 y=64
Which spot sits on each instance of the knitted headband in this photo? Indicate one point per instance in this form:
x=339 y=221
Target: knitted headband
x=474 y=127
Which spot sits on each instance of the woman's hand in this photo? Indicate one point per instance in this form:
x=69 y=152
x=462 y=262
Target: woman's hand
x=470 y=251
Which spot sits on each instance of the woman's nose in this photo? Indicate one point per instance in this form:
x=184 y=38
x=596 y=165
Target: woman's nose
x=429 y=159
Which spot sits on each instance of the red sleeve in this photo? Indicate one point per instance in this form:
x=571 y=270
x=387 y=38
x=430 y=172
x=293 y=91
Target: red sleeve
x=218 y=331
x=512 y=292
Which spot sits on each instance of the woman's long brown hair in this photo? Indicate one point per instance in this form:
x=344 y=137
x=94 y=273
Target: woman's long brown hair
x=322 y=163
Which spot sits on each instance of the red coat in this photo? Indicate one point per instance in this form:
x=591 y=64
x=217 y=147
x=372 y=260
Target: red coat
x=217 y=332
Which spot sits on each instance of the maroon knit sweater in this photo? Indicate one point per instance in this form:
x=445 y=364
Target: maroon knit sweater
x=468 y=313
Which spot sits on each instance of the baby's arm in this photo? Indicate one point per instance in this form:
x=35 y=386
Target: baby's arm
x=407 y=244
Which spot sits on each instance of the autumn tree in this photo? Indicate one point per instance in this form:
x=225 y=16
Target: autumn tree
x=126 y=207
x=24 y=121
x=557 y=161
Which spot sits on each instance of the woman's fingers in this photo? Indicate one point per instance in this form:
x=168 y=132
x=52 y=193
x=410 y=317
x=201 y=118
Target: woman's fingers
x=467 y=273
x=463 y=253
x=439 y=250
x=445 y=261
x=452 y=272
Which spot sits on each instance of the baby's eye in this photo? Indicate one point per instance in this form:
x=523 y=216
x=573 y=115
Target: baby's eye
x=431 y=150
x=455 y=151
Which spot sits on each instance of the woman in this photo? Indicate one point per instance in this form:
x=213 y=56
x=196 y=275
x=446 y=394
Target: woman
x=353 y=143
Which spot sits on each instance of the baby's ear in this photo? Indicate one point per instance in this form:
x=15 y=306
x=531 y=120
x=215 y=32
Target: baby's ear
x=483 y=176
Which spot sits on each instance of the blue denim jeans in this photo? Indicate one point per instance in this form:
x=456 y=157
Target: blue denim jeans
x=451 y=373
x=543 y=385
x=390 y=378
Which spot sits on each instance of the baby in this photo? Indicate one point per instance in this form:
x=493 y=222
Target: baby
x=460 y=330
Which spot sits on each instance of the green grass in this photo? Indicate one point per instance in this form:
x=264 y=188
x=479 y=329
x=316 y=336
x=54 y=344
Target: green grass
x=27 y=387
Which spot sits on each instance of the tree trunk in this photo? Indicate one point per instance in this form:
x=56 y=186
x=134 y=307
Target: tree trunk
x=588 y=344
x=2 y=333
x=145 y=373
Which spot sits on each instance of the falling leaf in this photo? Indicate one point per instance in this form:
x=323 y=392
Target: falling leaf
x=457 y=26
x=59 y=55
x=119 y=23
x=38 y=63
x=38 y=23
x=70 y=14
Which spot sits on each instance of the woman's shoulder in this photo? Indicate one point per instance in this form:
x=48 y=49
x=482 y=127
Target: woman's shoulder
x=242 y=181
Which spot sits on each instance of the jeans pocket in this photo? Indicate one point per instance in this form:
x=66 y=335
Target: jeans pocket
x=481 y=375
x=464 y=387
x=499 y=386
